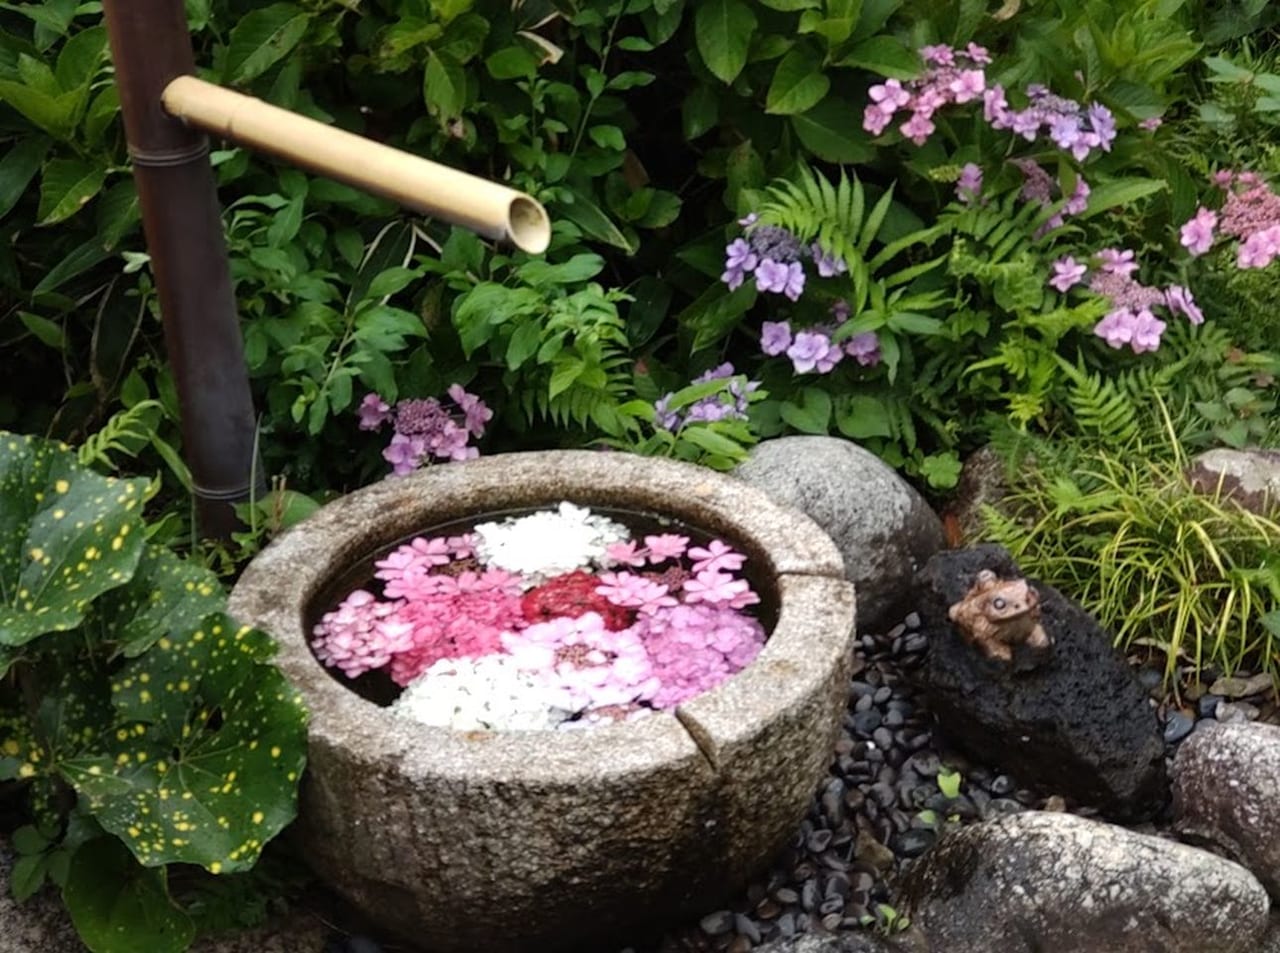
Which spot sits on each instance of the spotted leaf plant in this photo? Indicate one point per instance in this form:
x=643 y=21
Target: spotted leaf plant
x=146 y=727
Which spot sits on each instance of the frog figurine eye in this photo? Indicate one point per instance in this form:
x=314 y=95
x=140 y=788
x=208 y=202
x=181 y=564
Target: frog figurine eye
x=998 y=602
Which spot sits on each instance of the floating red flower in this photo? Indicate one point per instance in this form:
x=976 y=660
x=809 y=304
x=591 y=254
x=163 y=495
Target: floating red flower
x=572 y=596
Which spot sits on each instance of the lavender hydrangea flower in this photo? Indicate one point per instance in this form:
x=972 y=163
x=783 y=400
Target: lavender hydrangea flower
x=1116 y=328
x=829 y=266
x=1197 y=234
x=373 y=411
x=1179 y=301
x=1147 y=329
x=775 y=337
x=864 y=348
x=771 y=275
x=740 y=260
x=1067 y=273
x=806 y=349
x=969 y=184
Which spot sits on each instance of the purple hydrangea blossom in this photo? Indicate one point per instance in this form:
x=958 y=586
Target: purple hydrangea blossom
x=1067 y=273
x=864 y=348
x=729 y=404
x=424 y=429
x=772 y=276
x=969 y=184
x=775 y=337
x=1197 y=234
x=740 y=261
x=373 y=411
x=1179 y=301
x=813 y=352
x=950 y=76
x=829 y=266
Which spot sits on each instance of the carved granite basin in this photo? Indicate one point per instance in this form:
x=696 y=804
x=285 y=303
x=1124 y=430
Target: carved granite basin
x=538 y=841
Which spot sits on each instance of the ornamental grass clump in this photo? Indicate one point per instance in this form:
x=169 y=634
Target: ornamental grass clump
x=560 y=619
x=1170 y=570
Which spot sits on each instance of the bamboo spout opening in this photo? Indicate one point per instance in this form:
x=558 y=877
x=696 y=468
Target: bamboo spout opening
x=488 y=208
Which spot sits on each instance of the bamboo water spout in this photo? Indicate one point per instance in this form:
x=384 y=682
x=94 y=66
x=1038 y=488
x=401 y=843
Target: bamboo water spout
x=166 y=111
x=485 y=207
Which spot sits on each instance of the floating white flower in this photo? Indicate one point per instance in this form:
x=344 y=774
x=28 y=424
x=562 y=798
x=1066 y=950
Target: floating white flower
x=489 y=693
x=548 y=543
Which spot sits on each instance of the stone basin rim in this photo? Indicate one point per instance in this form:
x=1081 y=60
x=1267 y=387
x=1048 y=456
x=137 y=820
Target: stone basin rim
x=800 y=560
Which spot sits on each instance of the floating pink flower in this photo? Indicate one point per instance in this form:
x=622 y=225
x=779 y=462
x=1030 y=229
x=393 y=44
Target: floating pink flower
x=716 y=557
x=666 y=546
x=720 y=589
x=627 y=553
x=634 y=592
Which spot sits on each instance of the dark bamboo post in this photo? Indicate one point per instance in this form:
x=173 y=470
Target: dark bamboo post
x=151 y=45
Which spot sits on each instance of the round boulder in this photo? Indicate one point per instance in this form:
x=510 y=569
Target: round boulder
x=1226 y=792
x=1250 y=477
x=884 y=528
x=535 y=841
x=1048 y=881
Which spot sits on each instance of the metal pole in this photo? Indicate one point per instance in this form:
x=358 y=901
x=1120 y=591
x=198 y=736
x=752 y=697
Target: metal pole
x=182 y=221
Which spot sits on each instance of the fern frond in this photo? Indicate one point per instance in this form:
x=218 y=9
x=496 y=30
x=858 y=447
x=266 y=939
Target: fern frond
x=126 y=433
x=1101 y=409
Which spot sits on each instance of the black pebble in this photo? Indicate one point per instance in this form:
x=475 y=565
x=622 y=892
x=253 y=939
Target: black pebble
x=1177 y=727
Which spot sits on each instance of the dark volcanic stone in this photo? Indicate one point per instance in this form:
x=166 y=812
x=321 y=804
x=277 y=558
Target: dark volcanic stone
x=1078 y=723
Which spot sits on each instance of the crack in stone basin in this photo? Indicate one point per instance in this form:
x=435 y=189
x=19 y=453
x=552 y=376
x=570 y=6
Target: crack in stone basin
x=538 y=841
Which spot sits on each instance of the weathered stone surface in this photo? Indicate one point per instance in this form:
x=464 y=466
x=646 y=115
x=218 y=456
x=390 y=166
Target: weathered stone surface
x=1226 y=792
x=1077 y=723
x=885 y=530
x=982 y=483
x=1037 y=881
x=1251 y=476
x=1271 y=942
x=41 y=925
x=846 y=943
x=511 y=841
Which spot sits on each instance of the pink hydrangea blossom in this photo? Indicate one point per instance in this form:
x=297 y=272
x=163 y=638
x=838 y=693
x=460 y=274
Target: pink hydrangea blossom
x=628 y=553
x=666 y=546
x=1147 y=329
x=453 y=625
x=1067 y=273
x=1197 y=234
x=361 y=634
x=634 y=592
x=719 y=589
x=692 y=648
x=1116 y=328
x=716 y=556
x=374 y=412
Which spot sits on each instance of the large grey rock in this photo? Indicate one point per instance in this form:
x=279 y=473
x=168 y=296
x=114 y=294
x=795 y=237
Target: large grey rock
x=884 y=529
x=1226 y=792
x=1251 y=476
x=1039 y=882
x=1271 y=942
x=529 y=841
x=1077 y=724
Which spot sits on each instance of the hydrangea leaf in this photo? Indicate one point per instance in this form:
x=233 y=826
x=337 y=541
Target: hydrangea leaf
x=67 y=535
x=209 y=744
x=165 y=593
x=119 y=907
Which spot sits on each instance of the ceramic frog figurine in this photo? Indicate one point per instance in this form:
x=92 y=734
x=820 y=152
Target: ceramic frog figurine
x=997 y=614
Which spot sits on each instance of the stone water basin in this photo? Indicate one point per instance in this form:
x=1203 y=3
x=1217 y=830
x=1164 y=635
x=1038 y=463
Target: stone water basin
x=506 y=842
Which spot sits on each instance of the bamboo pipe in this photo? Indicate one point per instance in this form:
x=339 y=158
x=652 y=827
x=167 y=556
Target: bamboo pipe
x=492 y=210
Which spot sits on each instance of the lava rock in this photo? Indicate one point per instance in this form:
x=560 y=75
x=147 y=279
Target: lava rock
x=1226 y=792
x=884 y=529
x=1250 y=477
x=1059 y=882
x=1077 y=723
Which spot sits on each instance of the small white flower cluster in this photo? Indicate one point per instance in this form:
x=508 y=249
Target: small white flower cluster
x=488 y=693
x=548 y=543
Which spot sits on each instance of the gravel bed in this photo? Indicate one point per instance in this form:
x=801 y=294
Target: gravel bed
x=884 y=805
